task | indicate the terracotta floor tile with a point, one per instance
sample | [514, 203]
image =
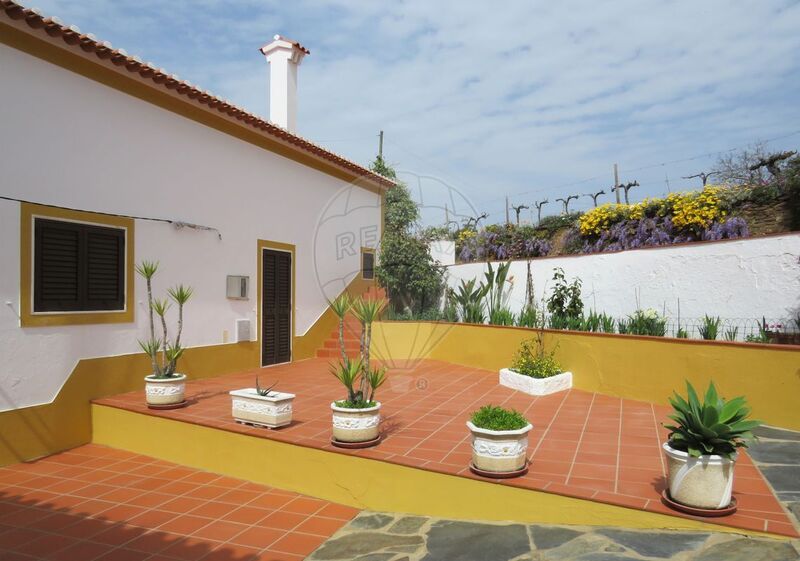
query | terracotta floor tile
[153, 542]
[122, 554]
[303, 505]
[259, 537]
[233, 552]
[190, 549]
[299, 544]
[215, 510]
[238, 496]
[320, 526]
[81, 551]
[282, 520]
[44, 545]
[185, 524]
[270, 501]
[340, 512]
[247, 514]
[182, 505]
[220, 530]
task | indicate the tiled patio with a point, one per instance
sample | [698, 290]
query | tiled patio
[584, 445]
[97, 503]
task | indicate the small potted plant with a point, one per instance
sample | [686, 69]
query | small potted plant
[164, 387]
[356, 419]
[262, 407]
[535, 371]
[702, 448]
[499, 442]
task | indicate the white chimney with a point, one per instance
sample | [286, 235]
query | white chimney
[284, 56]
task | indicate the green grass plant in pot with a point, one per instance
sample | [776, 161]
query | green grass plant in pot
[499, 440]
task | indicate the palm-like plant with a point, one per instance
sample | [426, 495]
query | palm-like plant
[714, 426]
[366, 311]
[170, 351]
[469, 301]
[710, 327]
[348, 372]
[340, 307]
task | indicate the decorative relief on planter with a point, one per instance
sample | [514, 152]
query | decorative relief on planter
[499, 449]
[262, 408]
[163, 389]
[353, 422]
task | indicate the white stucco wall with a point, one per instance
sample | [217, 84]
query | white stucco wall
[70, 141]
[443, 252]
[744, 279]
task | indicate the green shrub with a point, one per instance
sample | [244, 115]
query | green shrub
[550, 224]
[710, 327]
[531, 360]
[501, 316]
[528, 317]
[644, 322]
[492, 417]
[711, 427]
[565, 298]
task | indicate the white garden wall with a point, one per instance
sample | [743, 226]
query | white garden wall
[70, 141]
[743, 279]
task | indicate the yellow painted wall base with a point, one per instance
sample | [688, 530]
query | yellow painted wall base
[359, 482]
[642, 368]
[32, 432]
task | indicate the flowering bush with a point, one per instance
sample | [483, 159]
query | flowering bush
[501, 242]
[600, 218]
[695, 210]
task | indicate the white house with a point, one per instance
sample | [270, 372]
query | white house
[107, 161]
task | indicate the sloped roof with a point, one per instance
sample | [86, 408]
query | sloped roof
[70, 38]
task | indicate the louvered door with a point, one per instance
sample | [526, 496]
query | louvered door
[78, 267]
[276, 302]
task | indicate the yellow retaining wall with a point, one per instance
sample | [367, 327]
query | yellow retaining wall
[644, 368]
[359, 482]
[32, 432]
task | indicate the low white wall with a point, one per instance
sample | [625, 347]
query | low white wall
[72, 142]
[443, 252]
[744, 279]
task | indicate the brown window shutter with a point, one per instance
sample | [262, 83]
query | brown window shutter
[78, 267]
[367, 265]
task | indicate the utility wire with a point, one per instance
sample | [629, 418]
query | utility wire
[177, 223]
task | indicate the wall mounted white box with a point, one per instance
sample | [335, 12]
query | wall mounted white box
[238, 287]
[535, 386]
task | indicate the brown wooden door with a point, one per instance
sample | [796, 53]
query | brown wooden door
[276, 303]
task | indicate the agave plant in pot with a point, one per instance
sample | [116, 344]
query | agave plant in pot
[356, 419]
[499, 442]
[164, 387]
[702, 449]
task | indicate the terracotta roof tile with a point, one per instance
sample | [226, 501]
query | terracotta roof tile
[159, 78]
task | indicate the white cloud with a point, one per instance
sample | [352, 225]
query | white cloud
[495, 99]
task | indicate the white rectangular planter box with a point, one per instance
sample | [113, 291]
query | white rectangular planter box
[273, 410]
[535, 386]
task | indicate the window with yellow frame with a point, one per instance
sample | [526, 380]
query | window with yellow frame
[76, 267]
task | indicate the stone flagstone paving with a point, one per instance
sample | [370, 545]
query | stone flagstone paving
[388, 537]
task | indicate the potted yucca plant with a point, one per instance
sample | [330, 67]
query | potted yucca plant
[164, 386]
[262, 407]
[356, 419]
[702, 448]
[499, 442]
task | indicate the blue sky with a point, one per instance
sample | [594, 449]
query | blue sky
[527, 99]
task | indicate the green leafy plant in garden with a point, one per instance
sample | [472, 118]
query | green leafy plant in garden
[163, 352]
[532, 360]
[732, 333]
[763, 334]
[713, 426]
[405, 268]
[710, 327]
[607, 323]
[643, 322]
[528, 317]
[493, 417]
[469, 301]
[496, 294]
[565, 298]
[681, 333]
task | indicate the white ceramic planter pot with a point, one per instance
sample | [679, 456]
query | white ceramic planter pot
[165, 391]
[499, 450]
[272, 410]
[704, 482]
[356, 425]
[535, 386]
